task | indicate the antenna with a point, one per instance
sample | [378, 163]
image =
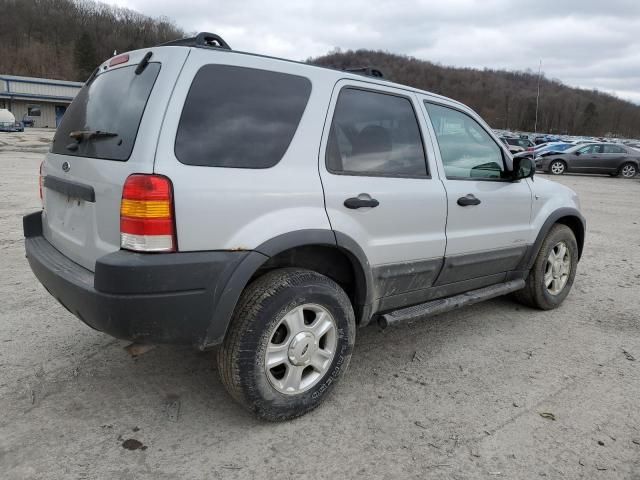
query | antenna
[535, 126]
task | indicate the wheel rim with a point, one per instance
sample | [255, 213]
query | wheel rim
[301, 349]
[628, 171]
[557, 167]
[557, 269]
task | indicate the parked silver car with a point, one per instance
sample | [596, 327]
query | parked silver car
[266, 207]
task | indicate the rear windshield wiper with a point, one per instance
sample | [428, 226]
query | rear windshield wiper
[80, 135]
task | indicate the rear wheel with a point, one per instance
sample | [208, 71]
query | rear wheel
[553, 272]
[557, 167]
[628, 170]
[290, 340]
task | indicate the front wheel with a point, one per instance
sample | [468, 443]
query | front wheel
[628, 170]
[290, 340]
[553, 271]
[557, 167]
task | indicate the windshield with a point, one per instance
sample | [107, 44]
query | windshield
[519, 142]
[103, 120]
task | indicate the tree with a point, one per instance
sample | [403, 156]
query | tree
[504, 98]
[85, 56]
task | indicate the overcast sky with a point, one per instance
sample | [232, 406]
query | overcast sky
[586, 43]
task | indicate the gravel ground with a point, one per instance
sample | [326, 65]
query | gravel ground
[463, 395]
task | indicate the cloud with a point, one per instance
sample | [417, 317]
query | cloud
[586, 43]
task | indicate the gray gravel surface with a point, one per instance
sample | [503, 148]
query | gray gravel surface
[459, 396]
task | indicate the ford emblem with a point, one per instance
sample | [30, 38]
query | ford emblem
[66, 167]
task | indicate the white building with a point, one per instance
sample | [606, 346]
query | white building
[38, 99]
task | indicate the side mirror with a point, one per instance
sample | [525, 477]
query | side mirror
[523, 168]
[578, 154]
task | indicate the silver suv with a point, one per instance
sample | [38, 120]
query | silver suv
[202, 196]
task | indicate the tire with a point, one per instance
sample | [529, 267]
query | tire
[557, 167]
[628, 170]
[275, 318]
[536, 293]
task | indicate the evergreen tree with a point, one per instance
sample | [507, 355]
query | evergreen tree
[85, 56]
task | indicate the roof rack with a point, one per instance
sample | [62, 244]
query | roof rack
[368, 71]
[203, 39]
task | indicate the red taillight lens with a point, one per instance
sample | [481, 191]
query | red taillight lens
[40, 181]
[147, 222]
[118, 60]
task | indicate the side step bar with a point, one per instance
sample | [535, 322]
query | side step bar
[442, 305]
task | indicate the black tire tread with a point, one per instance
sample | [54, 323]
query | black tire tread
[531, 295]
[248, 307]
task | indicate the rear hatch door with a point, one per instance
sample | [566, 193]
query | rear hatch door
[109, 132]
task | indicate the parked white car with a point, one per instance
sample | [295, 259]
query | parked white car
[203, 196]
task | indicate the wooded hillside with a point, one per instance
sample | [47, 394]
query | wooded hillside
[65, 39]
[505, 99]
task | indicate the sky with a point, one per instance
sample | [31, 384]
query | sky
[583, 43]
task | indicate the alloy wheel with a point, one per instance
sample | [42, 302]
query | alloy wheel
[301, 349]
[557, 269]
[628, 171]
[557, 168]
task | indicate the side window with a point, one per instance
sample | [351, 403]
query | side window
[467, 150]
[613, 149]
[375, 134]
[587, 149]
[240, 117]
[33, 110]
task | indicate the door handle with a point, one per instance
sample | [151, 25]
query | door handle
[469, 199]
[355, 202]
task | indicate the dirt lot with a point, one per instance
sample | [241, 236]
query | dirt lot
[459, 396]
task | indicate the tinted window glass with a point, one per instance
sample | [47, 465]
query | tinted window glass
[240, 117]
[518, 142]
[375, 134]
[592, 149]
[613, 149]
[466, 149]
[111, 102]
[33, 110]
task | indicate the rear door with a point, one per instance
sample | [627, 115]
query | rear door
[381, 187]
[84, 172]
[488, 224]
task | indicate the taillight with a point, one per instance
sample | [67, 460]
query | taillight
[147, 222]
[40, 181]
[118, 60]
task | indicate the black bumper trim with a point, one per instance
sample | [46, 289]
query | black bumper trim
[152, 298]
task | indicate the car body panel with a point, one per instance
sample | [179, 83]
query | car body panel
[82, 230]
[409, 223]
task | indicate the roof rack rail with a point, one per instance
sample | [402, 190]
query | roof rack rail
[368, 71]
[203, 39]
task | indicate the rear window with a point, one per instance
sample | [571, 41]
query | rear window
[240, 117]
[111, 103]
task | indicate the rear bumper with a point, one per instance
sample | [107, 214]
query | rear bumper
[178, 298]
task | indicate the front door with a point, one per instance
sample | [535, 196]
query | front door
[488, 225]
[379, 190]
[587, 159]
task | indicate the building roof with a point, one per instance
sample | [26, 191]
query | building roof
[32, 89]
[43, 81]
